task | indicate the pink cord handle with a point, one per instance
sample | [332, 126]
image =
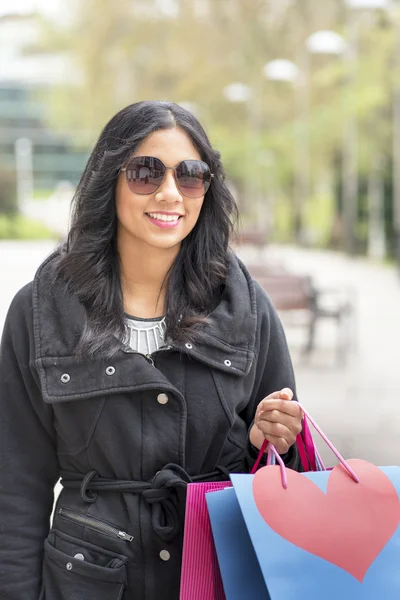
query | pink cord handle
[309, 446]
[331, 446]
[259, 457]
[272, 451]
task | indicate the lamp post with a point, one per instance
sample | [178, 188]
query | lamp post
[350, 138]
[24, 170]
[284, 70]
[241, 93]
[320, 42]
[323, 42]
[396, 145]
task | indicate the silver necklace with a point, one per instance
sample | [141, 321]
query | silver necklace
[144, 339]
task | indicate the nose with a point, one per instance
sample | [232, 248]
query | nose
[169, 191]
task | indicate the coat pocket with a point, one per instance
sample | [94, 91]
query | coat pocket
[74, 568]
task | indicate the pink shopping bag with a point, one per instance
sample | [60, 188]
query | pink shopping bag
[200, 577]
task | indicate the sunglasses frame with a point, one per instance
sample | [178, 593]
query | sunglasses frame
[124, 170]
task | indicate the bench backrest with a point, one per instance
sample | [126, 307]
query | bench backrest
[288, 291]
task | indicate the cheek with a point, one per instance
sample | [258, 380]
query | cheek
[121, 200]
[194, 212]
[126, 205]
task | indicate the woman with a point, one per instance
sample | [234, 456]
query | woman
[142, 355]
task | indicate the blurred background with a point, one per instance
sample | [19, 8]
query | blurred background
[302, 98]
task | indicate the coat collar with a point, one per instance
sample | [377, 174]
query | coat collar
[227, 341]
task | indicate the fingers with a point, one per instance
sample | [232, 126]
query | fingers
[284, 394]
[281, 445]
[279, 419]
[282, 406]
[278, 434]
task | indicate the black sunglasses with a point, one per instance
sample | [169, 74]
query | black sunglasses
[145, 174]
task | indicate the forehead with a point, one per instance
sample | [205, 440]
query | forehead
[169, 145]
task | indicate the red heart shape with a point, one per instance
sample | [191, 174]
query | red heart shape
[348, 526]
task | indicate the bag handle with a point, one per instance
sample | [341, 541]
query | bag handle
[330, 445]
[272, 452]
[305, 440]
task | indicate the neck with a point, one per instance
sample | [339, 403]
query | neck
[144, 278]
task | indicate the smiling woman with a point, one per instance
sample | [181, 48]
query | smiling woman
[141, 356]
[155, 214]
[147, 189]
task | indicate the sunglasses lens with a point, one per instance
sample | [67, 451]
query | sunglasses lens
[144, 174]
[193, 178]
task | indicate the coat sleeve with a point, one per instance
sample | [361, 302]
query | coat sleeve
[28, 461]
[273, 368]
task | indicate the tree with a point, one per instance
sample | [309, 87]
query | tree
[189, 50]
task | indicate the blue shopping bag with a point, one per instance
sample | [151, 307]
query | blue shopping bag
[236, 556]
[326, 535]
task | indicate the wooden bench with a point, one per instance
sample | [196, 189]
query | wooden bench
[292, 292]
[253, 238]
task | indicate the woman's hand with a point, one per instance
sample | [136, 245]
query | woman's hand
[277, 420]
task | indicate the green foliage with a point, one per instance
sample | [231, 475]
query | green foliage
[124, 52]
[8, 192]
[18, 227]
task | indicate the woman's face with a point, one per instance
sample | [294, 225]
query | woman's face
[141, 218]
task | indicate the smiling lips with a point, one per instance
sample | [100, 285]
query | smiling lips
[164, 220]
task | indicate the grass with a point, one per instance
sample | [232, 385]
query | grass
[18, 227]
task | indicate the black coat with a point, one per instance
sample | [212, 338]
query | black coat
[132, 430]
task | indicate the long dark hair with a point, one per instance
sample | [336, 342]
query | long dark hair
[89, 261]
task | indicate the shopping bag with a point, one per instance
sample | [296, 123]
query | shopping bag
[241, 573]
[328, 534]
[200, 575]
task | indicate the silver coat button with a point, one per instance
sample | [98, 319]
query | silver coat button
[227, 363]
[110, 370]
[189, 346]
[79, 556]
[162, 398]
[165, 555]
[68, 566]
[65, 378]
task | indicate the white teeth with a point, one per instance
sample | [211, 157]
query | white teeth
[166, 218]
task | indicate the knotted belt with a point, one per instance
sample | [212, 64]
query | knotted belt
[161, 492]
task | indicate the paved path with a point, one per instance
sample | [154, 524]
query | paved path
[358, 406]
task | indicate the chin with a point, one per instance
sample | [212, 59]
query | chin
[165, 244]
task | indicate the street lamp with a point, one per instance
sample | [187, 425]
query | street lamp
[367, 4]
[237, 92]
[350, 147]
[326, 42]
[320, 42]
[241, 93]
[396, 146]
[323, 42]
[24, 170]
[284, 70]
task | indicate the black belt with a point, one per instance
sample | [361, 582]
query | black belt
[160, 492]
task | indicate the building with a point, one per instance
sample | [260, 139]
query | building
[25, 75]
